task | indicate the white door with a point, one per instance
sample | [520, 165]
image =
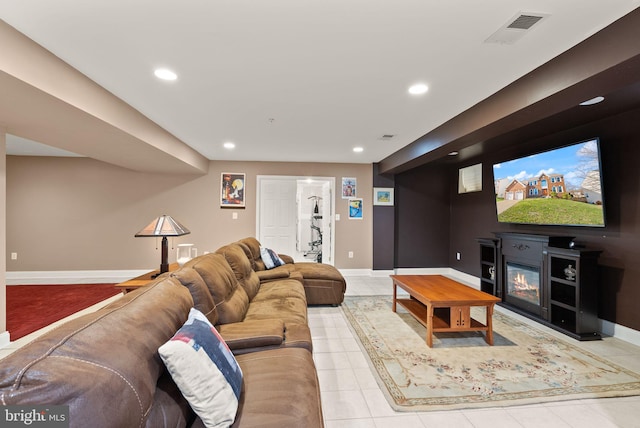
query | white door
[277, 215]
[327, 223]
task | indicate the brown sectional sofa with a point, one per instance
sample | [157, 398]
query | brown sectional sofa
[105, 365]
[323, 284]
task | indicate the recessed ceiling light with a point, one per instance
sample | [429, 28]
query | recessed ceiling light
[454, 153]
[358, 149]
[418, 89]
[229, 145]
[592, 101]
[165, 74]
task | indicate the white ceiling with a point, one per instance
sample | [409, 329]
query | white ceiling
[301, 80]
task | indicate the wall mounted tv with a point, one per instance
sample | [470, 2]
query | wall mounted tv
[562, 186]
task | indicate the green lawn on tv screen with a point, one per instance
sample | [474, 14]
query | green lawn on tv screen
[553, 211]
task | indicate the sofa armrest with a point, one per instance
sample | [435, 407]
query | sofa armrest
[272, 274]
[252, 333]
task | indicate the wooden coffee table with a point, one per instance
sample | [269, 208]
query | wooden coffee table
[442, 304]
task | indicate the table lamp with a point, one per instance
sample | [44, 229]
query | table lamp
[163, 226]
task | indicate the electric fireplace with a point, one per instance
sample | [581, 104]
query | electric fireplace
[523, 283]
[546, 278]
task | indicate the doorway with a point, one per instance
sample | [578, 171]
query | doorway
[295, 216]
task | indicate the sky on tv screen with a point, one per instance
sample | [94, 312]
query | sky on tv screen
[571, 161]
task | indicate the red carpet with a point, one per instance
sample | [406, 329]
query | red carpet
[31, 307]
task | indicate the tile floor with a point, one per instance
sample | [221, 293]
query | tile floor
[351, 398]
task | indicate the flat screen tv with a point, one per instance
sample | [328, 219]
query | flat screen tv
[562, 186]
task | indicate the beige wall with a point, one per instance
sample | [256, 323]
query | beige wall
[81, 214]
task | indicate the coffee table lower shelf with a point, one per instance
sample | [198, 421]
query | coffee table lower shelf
[441, 317]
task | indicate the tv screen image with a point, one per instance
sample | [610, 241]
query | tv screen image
[562, 186]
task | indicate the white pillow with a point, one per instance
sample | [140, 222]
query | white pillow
[270, 258]
[205, 370]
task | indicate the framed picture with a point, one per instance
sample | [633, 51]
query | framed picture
[232, 189]
[355, 209]
[470, 179]
[383, 196]
[348, 187]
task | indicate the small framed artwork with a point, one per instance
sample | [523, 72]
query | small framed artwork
[348, 187]
[232, 189]
[355, 209]
[383, 196]
[470, 179]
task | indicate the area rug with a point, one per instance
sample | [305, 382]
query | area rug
[525, 365]
[32, 307]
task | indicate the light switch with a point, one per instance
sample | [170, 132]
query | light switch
[234, 216]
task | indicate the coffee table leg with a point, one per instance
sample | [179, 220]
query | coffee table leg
[395, 296]
[429, 326]
[489, 337]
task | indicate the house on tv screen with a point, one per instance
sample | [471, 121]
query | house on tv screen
[541, 187]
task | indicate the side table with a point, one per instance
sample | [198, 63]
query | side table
[142, 280]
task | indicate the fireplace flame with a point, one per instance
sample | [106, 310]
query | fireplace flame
[520, 284]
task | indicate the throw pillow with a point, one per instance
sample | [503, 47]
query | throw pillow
[270, 258]
[205, 370]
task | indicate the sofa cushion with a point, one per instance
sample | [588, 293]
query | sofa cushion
[281, 390]
[291, 310]
[241, 266]
[281, 289]
[205, 370]
[232, 301]
[251, 247]
[202, 299]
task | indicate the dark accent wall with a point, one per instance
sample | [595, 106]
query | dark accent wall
[383, 226]
[422, 217]
[473, 214]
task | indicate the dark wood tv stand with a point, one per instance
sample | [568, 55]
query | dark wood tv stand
[568, 280]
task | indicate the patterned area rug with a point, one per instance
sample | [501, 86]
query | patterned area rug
[525, 365]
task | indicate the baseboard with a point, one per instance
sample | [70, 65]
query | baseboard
[621, 332]
[72, 277]
[422, 271]
[470, 280]
[5, 339]
[382, 273]
[355, 272]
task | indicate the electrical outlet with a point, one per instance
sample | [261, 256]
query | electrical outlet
[458, 256]
[350, 254]
[14, 256]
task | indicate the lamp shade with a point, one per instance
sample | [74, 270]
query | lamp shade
[164, 225]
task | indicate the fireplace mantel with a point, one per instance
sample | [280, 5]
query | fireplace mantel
[565, 279]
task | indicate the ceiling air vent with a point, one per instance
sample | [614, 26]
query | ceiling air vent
[524, 22]
[516, 28]
[386, 137]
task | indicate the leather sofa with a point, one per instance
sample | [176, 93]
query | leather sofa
[323, 284]
[105, 365]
